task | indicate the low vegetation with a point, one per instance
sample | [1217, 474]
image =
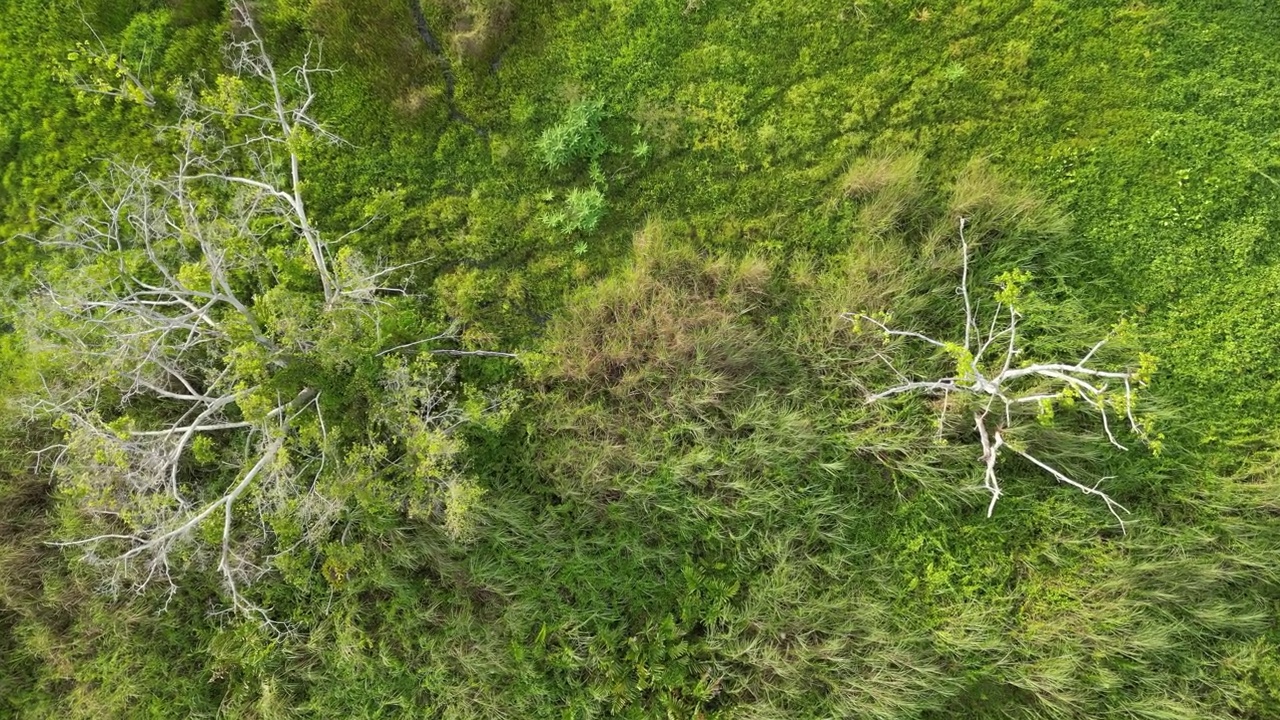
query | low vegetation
[494, 359]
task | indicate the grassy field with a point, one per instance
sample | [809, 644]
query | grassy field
[663, 206]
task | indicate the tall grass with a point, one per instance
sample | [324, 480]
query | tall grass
[697, 515]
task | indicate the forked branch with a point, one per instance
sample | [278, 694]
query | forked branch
[166, 341]
[999, 390]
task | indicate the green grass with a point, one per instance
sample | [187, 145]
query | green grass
[693, 514]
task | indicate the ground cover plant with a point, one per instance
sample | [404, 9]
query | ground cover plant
[520, 366]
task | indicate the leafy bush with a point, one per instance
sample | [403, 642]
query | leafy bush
[582, 211]
[576, 138]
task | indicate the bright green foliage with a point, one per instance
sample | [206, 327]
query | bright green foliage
[582, 211]
[1011, 285]
[576, 137]
[98, 73]
[677, 504]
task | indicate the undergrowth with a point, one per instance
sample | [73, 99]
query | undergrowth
[665, 207]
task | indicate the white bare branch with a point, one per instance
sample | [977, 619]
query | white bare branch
[990, 453]
[895, 333]
[1009, 388]
[165, 373]
[452, 334]
[964, 287]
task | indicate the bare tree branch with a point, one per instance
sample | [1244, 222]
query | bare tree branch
[1041, 384]
[166, 363]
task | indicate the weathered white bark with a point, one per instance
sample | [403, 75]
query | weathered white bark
[999, 389]
[158, 297]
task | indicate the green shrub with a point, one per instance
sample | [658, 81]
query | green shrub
[582, 211]
[576, 138]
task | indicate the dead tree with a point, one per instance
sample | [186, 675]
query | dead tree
[157, 347]
[991, 383]
[149, 313]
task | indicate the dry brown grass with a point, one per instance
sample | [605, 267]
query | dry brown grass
[378, 39]
[674, 310]
[479, 27]
[876, 173]
[889, 187]
[992, 202]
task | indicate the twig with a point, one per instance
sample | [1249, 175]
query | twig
[1002, 385]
